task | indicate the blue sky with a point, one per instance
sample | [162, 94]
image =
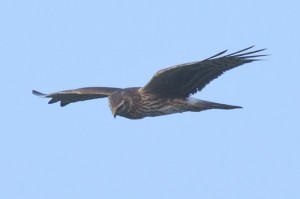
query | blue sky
[81, 151]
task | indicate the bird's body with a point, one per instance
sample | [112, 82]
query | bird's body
[166, 93]
[146, 104]
[142, 104]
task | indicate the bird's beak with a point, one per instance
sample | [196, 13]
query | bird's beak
[114, 112]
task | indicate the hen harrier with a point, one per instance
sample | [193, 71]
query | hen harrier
[167, 92]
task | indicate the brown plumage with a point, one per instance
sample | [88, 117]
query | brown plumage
[167, 92]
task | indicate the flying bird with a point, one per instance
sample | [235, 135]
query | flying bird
[169, 90]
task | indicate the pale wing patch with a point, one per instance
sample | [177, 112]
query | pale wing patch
[193, 101]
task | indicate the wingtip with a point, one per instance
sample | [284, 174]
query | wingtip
[34, 92]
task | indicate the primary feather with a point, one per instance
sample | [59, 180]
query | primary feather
[186, 79]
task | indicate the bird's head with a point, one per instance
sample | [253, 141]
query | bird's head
[118, 103]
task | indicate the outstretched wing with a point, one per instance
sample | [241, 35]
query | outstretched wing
[81, 94]
[186, 79]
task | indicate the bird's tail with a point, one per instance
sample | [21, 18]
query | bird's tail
[214, 105]
[200, 105]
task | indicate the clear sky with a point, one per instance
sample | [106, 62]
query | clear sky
[81, 151]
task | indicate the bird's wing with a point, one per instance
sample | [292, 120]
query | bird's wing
[186, 79]
[81, 94]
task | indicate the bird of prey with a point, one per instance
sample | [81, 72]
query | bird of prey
[167, 92]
